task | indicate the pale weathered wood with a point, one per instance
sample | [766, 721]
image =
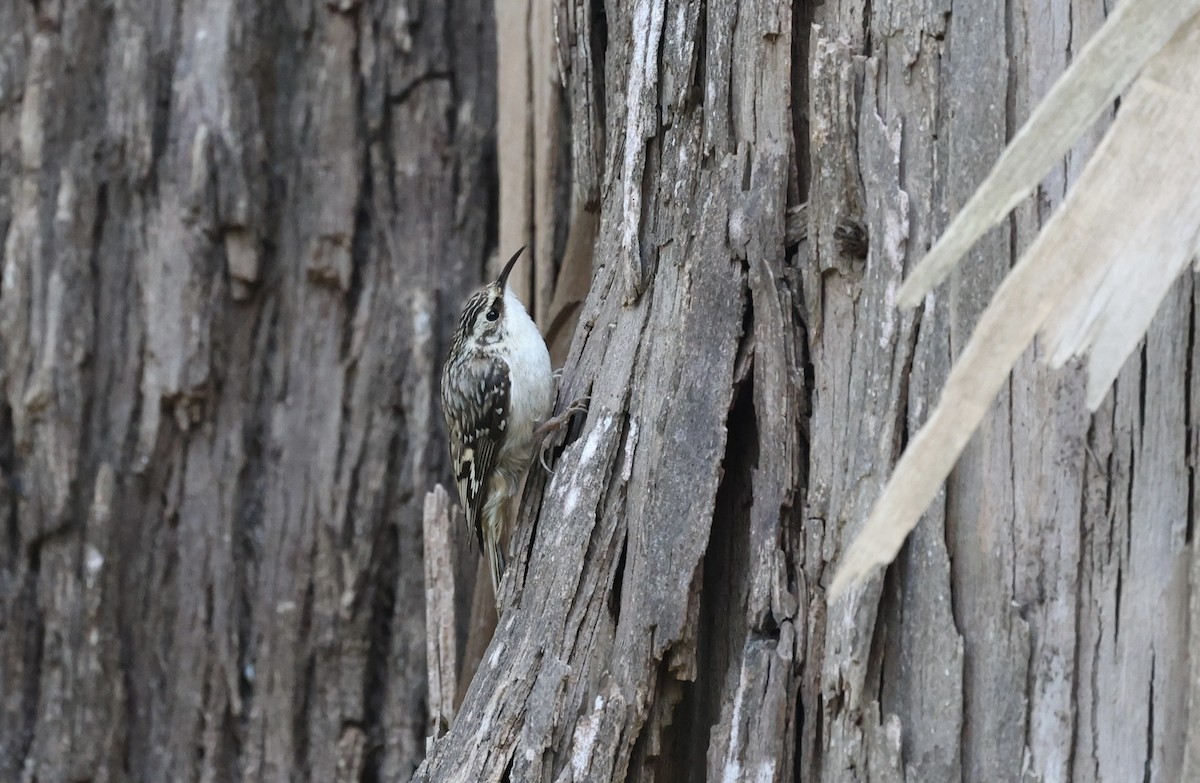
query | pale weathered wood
[531, 149]
[1091, 281]
[441, 621]
[1017, 696]
[1147, 249]
[514, 142]
[1191, 759]
[1135, 33]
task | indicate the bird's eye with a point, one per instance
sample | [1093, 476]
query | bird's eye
[493, 314]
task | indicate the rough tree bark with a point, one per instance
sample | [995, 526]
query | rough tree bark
[236, 237]
[665, 614]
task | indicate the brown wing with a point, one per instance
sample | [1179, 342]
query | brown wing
[477, 432]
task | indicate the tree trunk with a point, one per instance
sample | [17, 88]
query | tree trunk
[237, 235]
[665, 613]
[236, 239]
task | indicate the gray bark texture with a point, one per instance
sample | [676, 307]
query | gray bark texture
[236, 236]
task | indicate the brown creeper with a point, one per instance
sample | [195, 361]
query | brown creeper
[497, 392]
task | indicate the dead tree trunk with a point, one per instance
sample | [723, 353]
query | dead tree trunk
[236, 236]
[666, 616]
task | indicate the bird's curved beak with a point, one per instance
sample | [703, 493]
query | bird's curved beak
[502, 280]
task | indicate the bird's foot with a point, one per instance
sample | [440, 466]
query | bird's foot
[555, 423]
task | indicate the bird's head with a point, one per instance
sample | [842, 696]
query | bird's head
[483, 316]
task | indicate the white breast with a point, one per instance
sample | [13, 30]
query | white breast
[532, 391]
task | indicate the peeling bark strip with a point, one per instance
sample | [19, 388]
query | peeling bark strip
[1089, 285]
[641, 110]
[235, 238]
[441, 642]
[990, 650]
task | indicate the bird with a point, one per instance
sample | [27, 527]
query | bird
[497, 395]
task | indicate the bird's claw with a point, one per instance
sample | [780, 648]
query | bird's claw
[557, 422]
[578, 406]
